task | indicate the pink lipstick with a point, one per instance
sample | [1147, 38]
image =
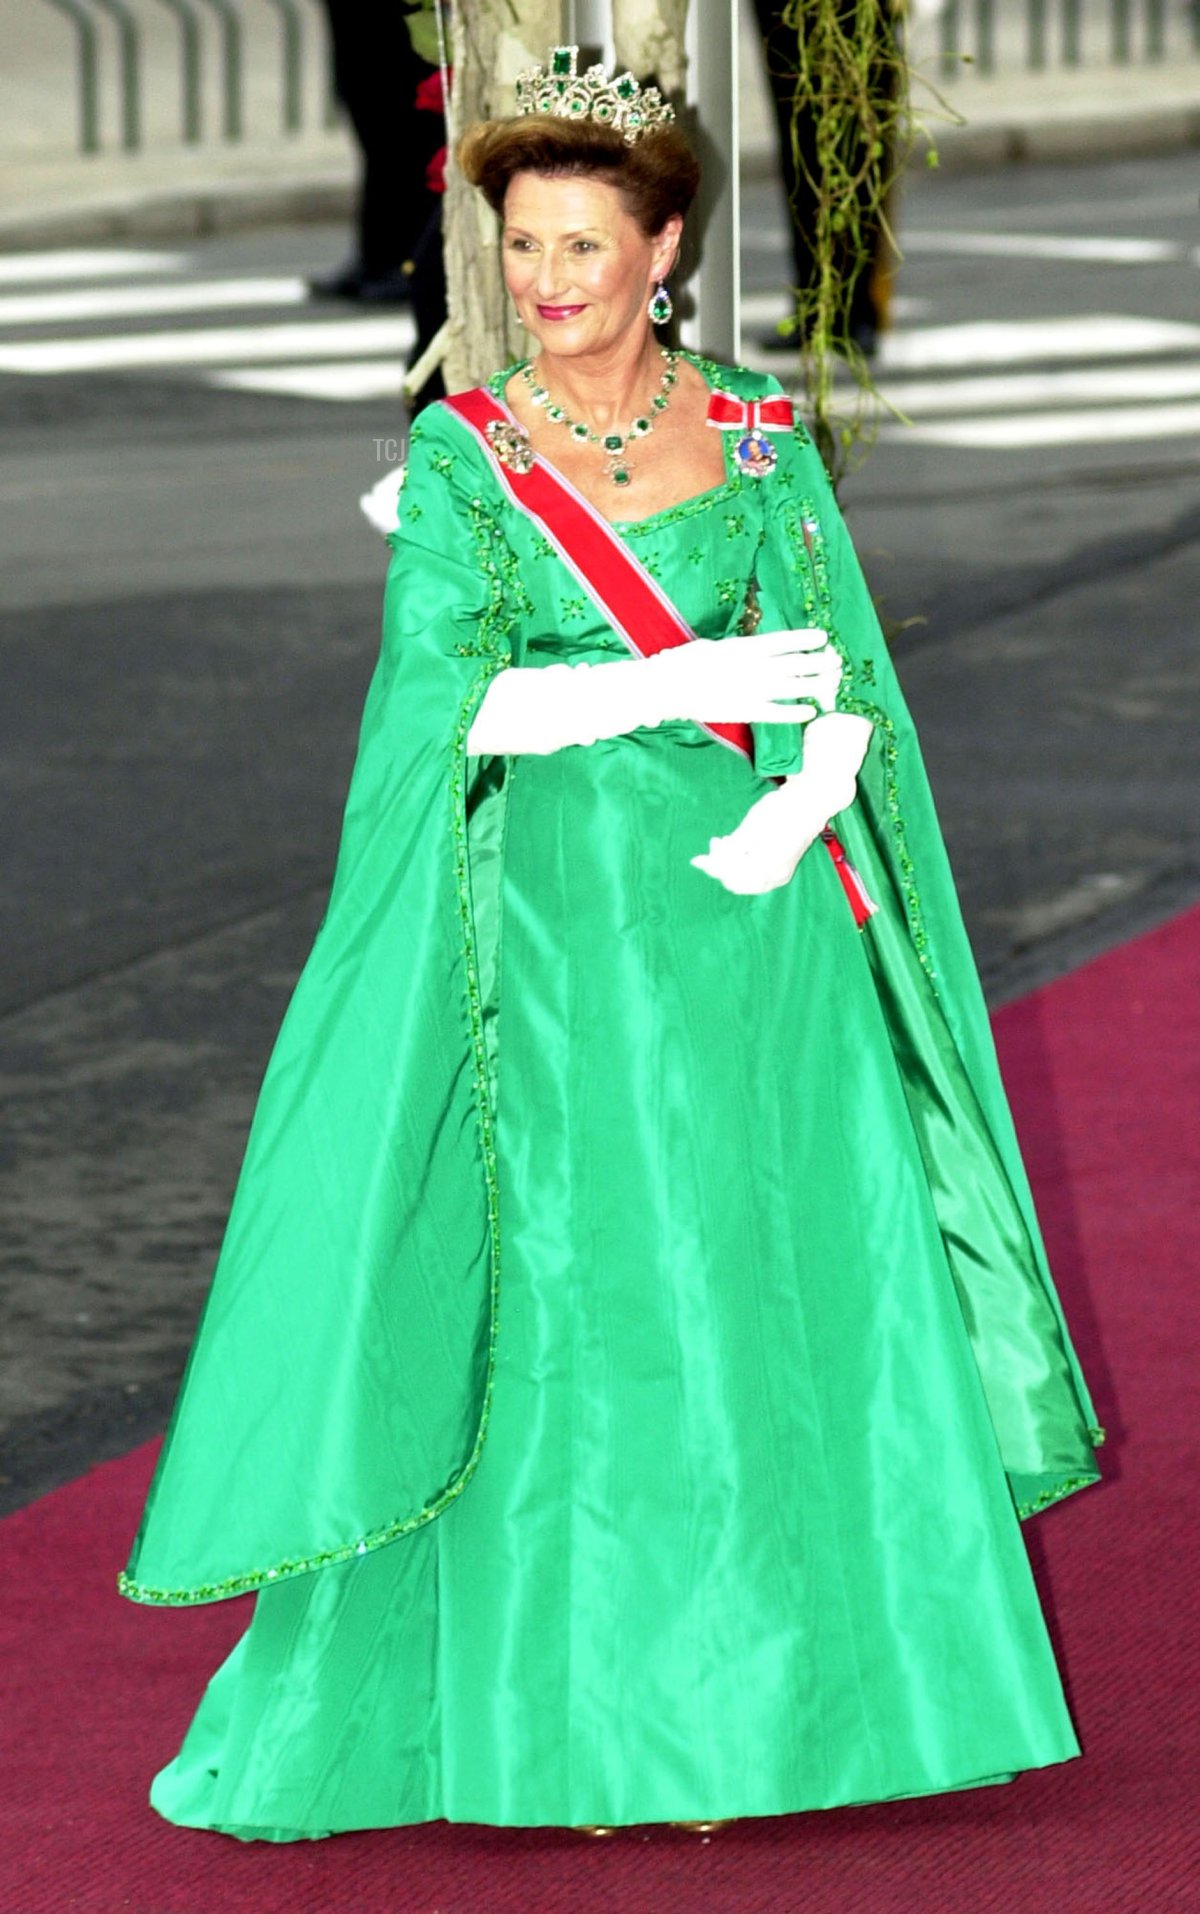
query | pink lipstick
[558, 312]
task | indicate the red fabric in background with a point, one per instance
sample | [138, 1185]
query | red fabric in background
[1103, 1070]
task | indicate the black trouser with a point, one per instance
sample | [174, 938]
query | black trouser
[376, 75]
[858, 313]
[428, 301]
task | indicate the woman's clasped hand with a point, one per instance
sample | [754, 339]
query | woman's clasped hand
[764, 850]
[768, 677]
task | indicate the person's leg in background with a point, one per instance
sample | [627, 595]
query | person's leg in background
[864, 311]
[376, 76]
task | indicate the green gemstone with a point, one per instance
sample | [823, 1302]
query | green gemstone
[560, 60]
[556, 413]
[620, 476]
[579, 432]
[613, 442]
[658, 402]
[627, 87]
[639, 428]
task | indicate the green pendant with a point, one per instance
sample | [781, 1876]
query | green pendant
[620, 475]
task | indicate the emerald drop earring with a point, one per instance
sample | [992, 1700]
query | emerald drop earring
[660, 307]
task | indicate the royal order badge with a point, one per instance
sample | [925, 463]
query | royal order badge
[755, 455]
[752, 421]
[511, 445]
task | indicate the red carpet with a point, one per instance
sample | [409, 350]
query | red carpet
[1103, 1070]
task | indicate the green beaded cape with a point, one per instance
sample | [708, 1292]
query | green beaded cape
[336, 1396]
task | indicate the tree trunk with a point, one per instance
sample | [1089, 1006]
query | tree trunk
[648, 35]
[493, 41]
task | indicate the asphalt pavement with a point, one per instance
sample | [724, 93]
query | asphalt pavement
[189, 611]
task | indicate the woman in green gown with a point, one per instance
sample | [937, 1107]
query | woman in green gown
[632, 1350]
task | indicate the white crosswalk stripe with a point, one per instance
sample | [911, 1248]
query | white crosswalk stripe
[147, 302]
[1029, 430]
[344, 379]
[112, 262]
[1072, 248]
[924, 398]
[71, 313]
[981, 342]
[1079, 249]
[217, 345]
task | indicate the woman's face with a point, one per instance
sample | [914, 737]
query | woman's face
[578, 267]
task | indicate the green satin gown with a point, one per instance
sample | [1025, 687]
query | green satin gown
[757, 1363]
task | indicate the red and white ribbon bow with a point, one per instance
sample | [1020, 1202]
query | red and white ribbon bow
[729, 413]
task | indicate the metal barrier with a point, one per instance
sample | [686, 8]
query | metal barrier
[989, 34]
[231, 65]
[1039, 33]
[189, 52]
[292, 44]
[88, 68]
[129, 53]
[230, 32]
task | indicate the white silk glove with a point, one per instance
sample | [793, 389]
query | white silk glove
[542, 708]
[764, 850]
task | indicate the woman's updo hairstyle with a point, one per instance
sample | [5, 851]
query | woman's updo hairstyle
[657, 175]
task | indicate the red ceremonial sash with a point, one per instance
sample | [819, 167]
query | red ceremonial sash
[618, 584]
[622, 588]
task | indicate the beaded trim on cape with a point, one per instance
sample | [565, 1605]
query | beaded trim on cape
[495, 655]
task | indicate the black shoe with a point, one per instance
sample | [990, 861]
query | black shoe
[783, 337]
[393, 288]
[345, 283]
[865, 334]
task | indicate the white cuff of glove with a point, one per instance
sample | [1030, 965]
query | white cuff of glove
[542, 708]
[834, 748]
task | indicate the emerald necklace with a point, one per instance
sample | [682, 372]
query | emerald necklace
[613, 444]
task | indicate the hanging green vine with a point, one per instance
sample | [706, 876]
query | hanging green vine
[853, 130]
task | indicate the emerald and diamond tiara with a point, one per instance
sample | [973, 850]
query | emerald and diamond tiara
[621, 103]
